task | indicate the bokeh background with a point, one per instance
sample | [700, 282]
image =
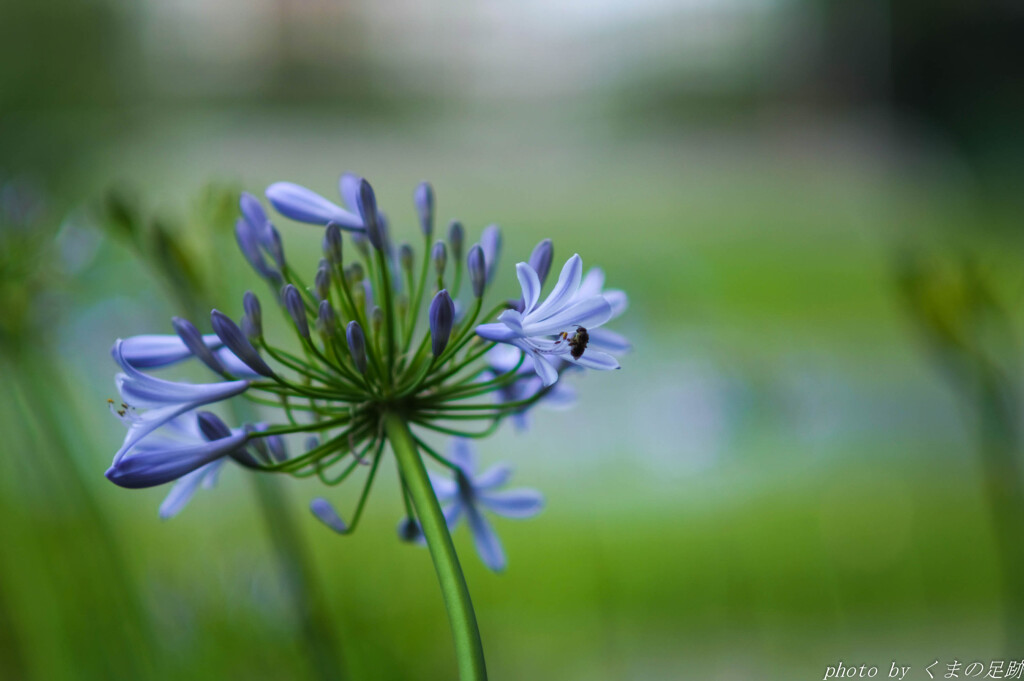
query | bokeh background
[811, 454]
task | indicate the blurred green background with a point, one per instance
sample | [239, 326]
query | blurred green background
[810, 456]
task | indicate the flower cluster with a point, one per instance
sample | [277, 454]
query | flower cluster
[363, 352]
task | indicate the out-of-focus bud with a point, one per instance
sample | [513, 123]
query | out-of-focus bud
[424, 198]
[332, 244]
[456, 239]
[254, 313]
[439, 256]
[368, 212]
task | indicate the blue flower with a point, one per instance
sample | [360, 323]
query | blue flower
[544, 329]
[163, 400]
[174, 453]
[468, 494]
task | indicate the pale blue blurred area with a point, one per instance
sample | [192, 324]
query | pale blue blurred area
[777, 478]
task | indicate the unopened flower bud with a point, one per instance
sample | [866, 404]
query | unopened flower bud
[456, 238]
[424, 198]
[439, 256]
[296, 309]
[332, 244]
[356, 345]
[490, 241]
[211, 426]
[442, 317]
[540, 259]
[376, 320]
[272, 243]
[326, 319]
[254, 313]
[367, 205]
[326, 514]
[237, 343]
[322, 281]
[193, 340]
[405, 258]
[477, 270]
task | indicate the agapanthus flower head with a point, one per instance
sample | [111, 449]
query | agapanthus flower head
[369, 338]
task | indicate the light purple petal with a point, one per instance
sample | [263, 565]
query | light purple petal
[618, 300]
[496, 332]
[142, 390]
[586, 312]
[461, 453]
[548, 374]
[596, 360]
[609, 341]
[592, 283]
[183, 490]
[304, 205]
[486, 541]
[530, 284]
[151, 351]
[515, 503]
[452, 514]
[326, 514]
[348, 187]
[565, 289]
[444, 488]
[495, 476]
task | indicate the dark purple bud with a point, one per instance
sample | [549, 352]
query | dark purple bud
[322, 281]
[540, 259]
[456, 239]
[332, 244]
[193, 340]
[211, 426]
[424, 198]
[277, 448]
[439, 256]
[367, 205]
[442, 316]
[356, 345]
[477, 270]
[296, 308]
[405, 258]
[312, 442]
[409, 530]
[236, 342]
[253, 313]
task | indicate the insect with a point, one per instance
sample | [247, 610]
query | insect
[577, 343]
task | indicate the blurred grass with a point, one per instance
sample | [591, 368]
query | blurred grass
[777, 554]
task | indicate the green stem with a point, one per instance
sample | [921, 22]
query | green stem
[468, 648]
